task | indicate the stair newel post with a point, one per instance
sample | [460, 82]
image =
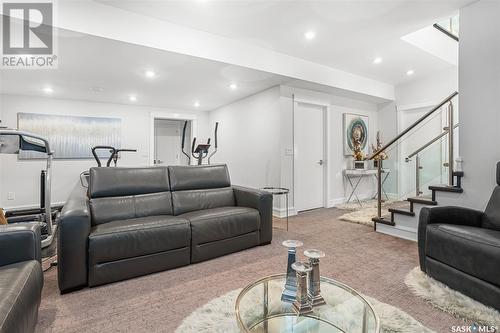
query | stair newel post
[450, 144]
[417, 175]
[379, 188]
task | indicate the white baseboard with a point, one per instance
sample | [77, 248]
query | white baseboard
[338, 201]
[281, 212]
[398, 231]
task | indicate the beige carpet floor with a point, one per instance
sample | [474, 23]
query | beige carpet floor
[372, 263]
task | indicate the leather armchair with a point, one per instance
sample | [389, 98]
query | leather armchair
[21, 277]
[461, 248]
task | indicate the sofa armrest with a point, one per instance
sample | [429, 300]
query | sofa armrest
[446, 215]
[263, 202]
[72, 242]
[19, 242]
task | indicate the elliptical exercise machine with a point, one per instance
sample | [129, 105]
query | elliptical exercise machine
[200, 151]
[13, 141]
[114, 154]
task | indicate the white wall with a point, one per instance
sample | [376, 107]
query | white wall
[414, 99]
[337, 106]
[249, 139]
[479, 83]
[22, 177]
[427, 91]
[256, 137]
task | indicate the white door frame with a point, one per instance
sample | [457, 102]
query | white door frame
[169, 116]
[326, 150]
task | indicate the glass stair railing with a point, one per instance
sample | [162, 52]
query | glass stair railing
[418, 159]
[450, 27]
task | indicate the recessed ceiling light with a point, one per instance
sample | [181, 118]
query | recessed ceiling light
[97, 89]
[132, 98]
[196, 104]
[149, 74]
[233, 86]
[410, 72]
[48, 90]
[377, 60]
[310, 35]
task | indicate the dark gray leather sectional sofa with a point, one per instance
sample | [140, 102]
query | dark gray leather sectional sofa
[21, 277]
[461, 248]
[135, 221]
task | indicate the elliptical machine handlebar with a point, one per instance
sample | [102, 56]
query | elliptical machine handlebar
[215, 140]
[184, 140]
[112, 150]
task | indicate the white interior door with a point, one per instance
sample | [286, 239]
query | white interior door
[309, 156]
[168, 142]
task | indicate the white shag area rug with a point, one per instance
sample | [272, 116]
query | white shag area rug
[446, 299]
[362, 214]
[218, 316]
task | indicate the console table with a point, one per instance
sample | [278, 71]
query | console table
[354, 177]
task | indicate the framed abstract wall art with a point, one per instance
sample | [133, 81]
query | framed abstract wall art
[355, 129]
[70, 137]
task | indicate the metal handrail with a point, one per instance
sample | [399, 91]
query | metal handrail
[446, 32]
[430, 142]
[412, 126]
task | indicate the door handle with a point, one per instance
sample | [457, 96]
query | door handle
[320, 162]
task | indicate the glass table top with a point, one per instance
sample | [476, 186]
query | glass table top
[259, 309]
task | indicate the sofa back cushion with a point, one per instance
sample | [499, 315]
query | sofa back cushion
[491, 219]
[114, 182]
[200, 187]
[125, 193]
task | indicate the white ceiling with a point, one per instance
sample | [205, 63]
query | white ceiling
[89, 64]
[349, 34]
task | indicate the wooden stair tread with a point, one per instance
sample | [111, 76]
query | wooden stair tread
[401, 211]
[446, 188]
[383, 220]
[422, 201]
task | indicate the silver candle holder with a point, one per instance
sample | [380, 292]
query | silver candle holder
[301, 305]
[290, 290]
[314, 291]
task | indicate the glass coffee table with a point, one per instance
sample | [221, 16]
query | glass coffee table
[259, 309]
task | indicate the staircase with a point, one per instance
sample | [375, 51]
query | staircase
[433, 163]
[403, 223]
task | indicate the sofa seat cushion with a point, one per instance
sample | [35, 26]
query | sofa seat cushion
[215, 224]
[20, 289]
[137, 237]
[472, 250]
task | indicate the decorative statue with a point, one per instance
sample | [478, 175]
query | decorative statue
[356, 144]
[382, 155]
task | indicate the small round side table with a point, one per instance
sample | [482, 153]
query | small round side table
[279, 191]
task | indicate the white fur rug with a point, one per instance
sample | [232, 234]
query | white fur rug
[218, 316]
[444, 298]
[362, 216]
